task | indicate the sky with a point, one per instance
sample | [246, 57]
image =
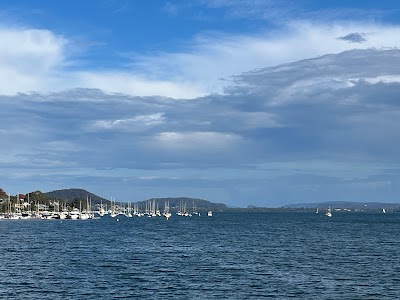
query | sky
[246, 102]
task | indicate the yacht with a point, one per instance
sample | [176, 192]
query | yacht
[209, 213]
[328, 212]
[84, 215]
[74, 214]
[166, 213]
[64, 214]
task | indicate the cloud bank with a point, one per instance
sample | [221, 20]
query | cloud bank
[318, 129]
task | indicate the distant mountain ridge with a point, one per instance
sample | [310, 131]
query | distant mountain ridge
[345, 204]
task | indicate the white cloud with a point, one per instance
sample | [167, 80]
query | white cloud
[197, 140]
[220, 56]
[29, 57]
[136, 84]
[134, 123]
[384, 78]
[31, 50]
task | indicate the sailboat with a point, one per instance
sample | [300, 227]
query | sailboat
[101, 212]
[166, 213]
[317, 210]
[384, 210]
[194, 212]
[128, 213]
[85, 214]
[328, 212]
[113, 212]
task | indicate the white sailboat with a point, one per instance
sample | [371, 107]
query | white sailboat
[85, 214]
[113, 212]
[128, 212]
[166, 213]
[384, 210]
[317, 210]
[209, 213]
[328, 212]
[194, 212]
[101, 211]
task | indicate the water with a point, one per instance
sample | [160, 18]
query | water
[229, 256]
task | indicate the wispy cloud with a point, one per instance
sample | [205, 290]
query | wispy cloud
[284, 11]
[244, 9]
[134, 123]
[193, 141]
[116, 6]
[170, 8]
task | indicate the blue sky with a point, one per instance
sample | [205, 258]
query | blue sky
[243, 102]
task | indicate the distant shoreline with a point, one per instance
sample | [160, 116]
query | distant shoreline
[282, 209]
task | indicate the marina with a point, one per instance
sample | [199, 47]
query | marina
[25, 210]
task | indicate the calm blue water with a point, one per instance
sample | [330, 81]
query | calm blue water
[229, 256]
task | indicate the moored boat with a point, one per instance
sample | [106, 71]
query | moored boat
[74, 214]
[328, 212]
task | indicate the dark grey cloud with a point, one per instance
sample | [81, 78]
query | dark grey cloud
[354, 37]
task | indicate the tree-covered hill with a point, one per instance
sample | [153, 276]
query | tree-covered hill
[73, 195]
[190, 203]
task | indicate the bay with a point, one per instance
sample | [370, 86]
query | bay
[280, 255]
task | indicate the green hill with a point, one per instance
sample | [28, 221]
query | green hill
[73, 195]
